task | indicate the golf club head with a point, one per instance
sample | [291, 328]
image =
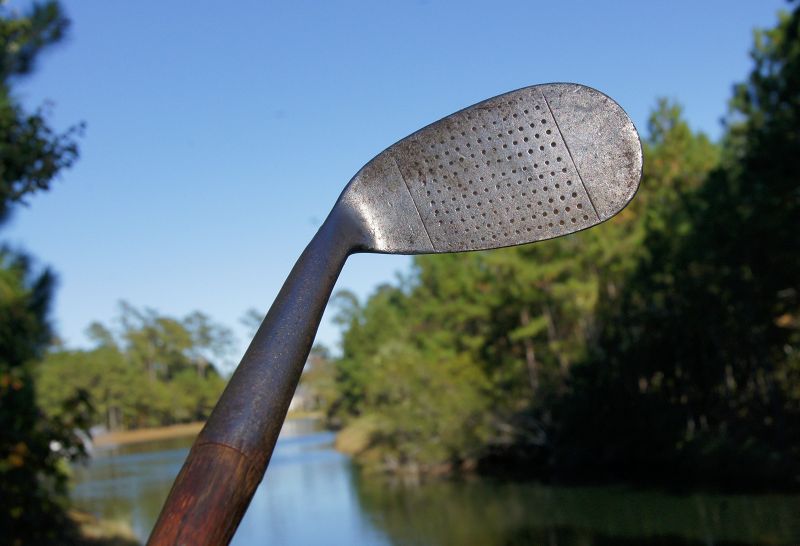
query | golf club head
[525, 166]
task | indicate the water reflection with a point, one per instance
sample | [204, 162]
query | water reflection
[313, 495]
[130, 483]
[488, 513]
[307, 497]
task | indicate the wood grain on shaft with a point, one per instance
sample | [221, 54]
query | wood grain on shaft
[208, 498]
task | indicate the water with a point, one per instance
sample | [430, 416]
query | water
[314, 495]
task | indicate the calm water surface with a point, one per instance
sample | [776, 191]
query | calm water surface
[314, 495]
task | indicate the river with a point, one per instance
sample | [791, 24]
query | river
[314, 495]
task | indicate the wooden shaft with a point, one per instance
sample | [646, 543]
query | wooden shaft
[209, 497]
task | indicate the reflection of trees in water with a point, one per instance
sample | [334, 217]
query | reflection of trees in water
[130, 483]
[487, 513]
[137, 504]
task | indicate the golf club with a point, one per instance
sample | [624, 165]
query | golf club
[525, 166]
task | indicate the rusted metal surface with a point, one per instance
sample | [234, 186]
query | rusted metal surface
[529, 165]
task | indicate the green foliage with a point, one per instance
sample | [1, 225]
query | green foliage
[153, 371]
[32, 446]
[56, 380]
[426, 403]
[318, 382]
[32, 481]
[415, 399]
[702, 344]
[663, 343]
[31, 152]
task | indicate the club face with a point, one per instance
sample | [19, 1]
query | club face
[529, 165]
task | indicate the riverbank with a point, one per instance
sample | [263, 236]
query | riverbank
[125, 437]
[354, 507]
[101, 532]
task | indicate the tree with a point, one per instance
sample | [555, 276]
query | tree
[32, 483]
[108, 381]
[252, 320]
[695, 370]
[319, 379]
[31, 152]
[209, 342]
[152, 370]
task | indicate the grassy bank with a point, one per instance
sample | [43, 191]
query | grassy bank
[98, 532]
[124, 437]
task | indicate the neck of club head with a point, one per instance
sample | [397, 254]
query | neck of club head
[249, 415]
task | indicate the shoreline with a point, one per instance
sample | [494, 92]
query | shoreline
[140, 435]
[125, 437]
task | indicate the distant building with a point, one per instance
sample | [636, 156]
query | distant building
[302, 400]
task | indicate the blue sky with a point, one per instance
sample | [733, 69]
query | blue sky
[219, 135]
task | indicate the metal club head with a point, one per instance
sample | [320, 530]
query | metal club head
[525, 166]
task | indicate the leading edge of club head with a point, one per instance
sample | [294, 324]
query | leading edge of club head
[529, 165]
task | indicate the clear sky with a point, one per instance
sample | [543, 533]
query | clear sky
[219, 134]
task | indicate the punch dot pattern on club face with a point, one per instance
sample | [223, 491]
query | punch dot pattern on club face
[496, 174]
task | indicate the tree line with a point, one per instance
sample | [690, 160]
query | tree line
[148, 370]
[662, 345]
